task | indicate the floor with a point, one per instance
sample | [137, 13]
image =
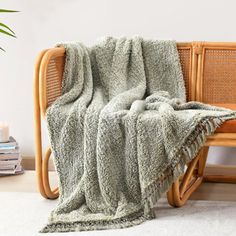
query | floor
[207, 191]
[23, 212]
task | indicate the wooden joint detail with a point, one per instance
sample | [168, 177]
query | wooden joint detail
[198, 47]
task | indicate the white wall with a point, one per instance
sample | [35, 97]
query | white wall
[43, 23]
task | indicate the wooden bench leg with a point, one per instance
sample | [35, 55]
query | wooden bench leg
[41, 164]
[182, 189]
[52, 194]
[170, 196]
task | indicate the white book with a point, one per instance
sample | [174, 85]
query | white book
[7, 172]
[17, 171]
[9, 162]
[10, 167]
[8, 156]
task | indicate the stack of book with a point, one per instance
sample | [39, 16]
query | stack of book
[10, 158]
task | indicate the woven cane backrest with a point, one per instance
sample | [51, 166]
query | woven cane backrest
[54, 79]
[185, 56]
[218, 73]
[50, 77]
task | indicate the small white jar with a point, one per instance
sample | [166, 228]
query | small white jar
[4, 132]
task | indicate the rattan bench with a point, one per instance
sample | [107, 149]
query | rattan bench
[209, 71]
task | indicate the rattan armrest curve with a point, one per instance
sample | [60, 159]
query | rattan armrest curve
[50, 77]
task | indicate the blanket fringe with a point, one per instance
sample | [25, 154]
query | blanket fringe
[187, 152]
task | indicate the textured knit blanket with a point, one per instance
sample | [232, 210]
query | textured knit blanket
[121, 133]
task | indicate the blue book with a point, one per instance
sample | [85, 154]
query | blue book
[11, 144]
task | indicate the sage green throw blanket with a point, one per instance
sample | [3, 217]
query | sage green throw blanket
[121, 133]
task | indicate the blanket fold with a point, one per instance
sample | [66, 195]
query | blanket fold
[122, 132]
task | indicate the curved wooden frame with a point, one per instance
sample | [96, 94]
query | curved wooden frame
[181, 190]
[40, 106]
